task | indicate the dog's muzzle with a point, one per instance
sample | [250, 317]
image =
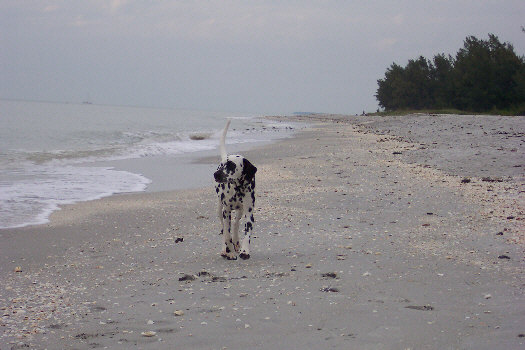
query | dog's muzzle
[220, 176]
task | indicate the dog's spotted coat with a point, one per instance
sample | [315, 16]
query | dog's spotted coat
[235, 188]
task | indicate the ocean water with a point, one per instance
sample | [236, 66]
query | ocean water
[49, 151]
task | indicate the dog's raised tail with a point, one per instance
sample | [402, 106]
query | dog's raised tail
[222, 145]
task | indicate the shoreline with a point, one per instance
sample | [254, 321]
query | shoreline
[354, 246]
[152, 172]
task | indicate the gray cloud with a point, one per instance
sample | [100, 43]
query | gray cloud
[266, 57]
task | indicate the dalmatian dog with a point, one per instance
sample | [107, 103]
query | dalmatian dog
[235, 187]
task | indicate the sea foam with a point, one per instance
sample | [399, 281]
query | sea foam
[31, 199]
[50, 153]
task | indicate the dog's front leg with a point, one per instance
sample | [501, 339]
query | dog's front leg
[220, 215]
[248, 228]
[228, 251]
[236, 242]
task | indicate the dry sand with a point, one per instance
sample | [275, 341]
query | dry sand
[371, 233]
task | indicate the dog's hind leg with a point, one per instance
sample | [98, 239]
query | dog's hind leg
[236, 242]
[228, 250]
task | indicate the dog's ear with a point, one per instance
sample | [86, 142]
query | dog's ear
[248, 169]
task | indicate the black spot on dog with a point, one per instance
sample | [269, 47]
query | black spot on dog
[230, 167]
[249, 169]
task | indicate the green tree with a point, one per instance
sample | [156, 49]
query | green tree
[442, 80]
[389, 87]
[519, 80]
[418, 86]
[472, 76]
[506, 65]
[485, 75]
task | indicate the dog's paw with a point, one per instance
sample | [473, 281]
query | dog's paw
[244, 256]
[237, 246]
[229, 256]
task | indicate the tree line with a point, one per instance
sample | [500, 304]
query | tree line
[484, 76]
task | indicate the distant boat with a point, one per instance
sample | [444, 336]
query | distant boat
[88, 100]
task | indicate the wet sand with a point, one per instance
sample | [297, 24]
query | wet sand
[371, 233]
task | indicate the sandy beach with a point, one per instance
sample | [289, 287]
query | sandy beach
[371, 233]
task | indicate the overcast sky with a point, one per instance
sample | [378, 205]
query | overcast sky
[244, 56]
